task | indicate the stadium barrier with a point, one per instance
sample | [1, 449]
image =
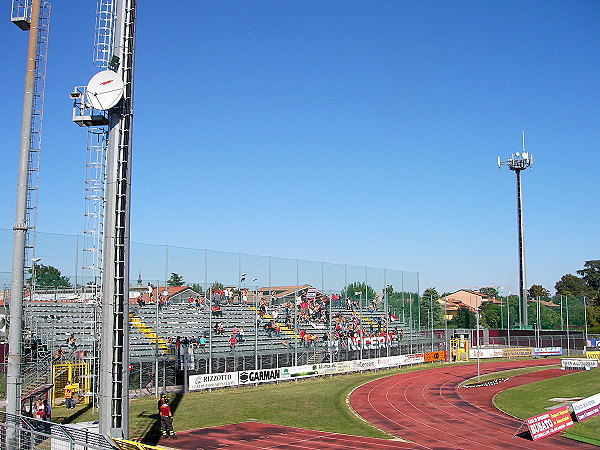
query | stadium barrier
[592, 355]
[245, 377]
[586, 408]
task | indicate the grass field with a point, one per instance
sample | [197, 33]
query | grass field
[317, 404]
[531, 399]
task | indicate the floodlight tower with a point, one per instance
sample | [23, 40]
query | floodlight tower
[32, 16]
[517, 163]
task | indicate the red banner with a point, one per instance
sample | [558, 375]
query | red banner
[544, 425]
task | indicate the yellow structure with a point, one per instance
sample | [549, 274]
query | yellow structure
[131, 445]
[76, 373]
[459, 349]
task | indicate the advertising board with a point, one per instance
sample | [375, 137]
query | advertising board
[547, 351]
[485, 353]
[213, 380]
[544, 425]
[416, 358]
[517, 352]
[434, 356]
[592, 355]
[259, 376]
[578, 364]
[363, 364]
[309, 370]
[586, 408]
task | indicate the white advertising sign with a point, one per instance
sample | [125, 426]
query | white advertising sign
[288, 373]
[213, 380]
[485, 353]
[579, 364]
[259, 376]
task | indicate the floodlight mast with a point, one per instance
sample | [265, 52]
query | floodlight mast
[518, 162]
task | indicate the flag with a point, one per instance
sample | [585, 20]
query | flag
[393, 318]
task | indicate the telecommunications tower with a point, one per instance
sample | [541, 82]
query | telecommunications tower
[105, 106]
[32, 16]
[517, 163]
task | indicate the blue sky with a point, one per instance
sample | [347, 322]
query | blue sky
[343, 131]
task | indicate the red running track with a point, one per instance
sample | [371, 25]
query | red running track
[428, 408]
[254, 435]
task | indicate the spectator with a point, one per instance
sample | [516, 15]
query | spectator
[202, 343]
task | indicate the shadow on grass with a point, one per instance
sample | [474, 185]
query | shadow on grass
[72, 418]
[152, 434]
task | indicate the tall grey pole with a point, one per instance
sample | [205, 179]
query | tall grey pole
[411, 321]
[508, 318]
[567, 310]
[156, 348]
[431, 310]
[13, 374]
[585, 320]
[478, 350]
[114, 358]
[522, 289]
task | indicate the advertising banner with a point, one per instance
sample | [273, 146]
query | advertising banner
[578, 364]
[259, 376]
[547, 351]
[517, 352]
[374, 342]
[416, 358]
[544, 425]
[434, 356]
[593, 342]
[486, 353]
[586, 408]
[363, 364]
[592, 355]
[331, 368]
[309, 370]
[212, 380]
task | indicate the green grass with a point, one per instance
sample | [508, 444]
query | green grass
[531, 399]
[508, 374]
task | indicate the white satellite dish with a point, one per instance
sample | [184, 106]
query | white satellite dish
[525, 155]
[104, 90]
[518, 154]
[498, 162]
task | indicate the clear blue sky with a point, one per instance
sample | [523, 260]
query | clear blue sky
[343, 131]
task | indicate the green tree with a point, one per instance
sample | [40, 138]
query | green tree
[491, 292]
[49, 277]
[464, 318]
[175, 280]
[490, 315]
[197, 287]
[399, 301]
[430, 298]
[537, 290]
[217, 286]
[573, 286]
[357, 290]
[591, 274]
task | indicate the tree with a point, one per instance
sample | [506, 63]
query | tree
[464, 318]
[537, 290]
[491, 292]
[217, 286]
[430, 298]
[591, 274]
[197, 287]
[357, 290]
[573, 286]
[49, 277]
[490, 315]
[175, 280]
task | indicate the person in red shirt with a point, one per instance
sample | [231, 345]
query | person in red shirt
[166, 417]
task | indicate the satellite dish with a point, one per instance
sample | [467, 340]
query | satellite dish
[498, 162]
[525, 155]
[104, 90]
[518, 154]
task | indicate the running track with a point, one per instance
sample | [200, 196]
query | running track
[428, 408]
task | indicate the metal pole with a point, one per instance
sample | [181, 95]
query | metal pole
[568, 343]
[478, 367]
[522, 290]
[156, 347]
[585, 320]
[446, 327]
[431, 311]
[411, 321]
[13, 374]
[255, 328]
[508, 317]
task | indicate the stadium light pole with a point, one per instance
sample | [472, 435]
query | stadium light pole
[431, 311]
[411, 321]
[478, 351]
[255, 280]
[567, 311]
[585, 320]
[360, 330]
